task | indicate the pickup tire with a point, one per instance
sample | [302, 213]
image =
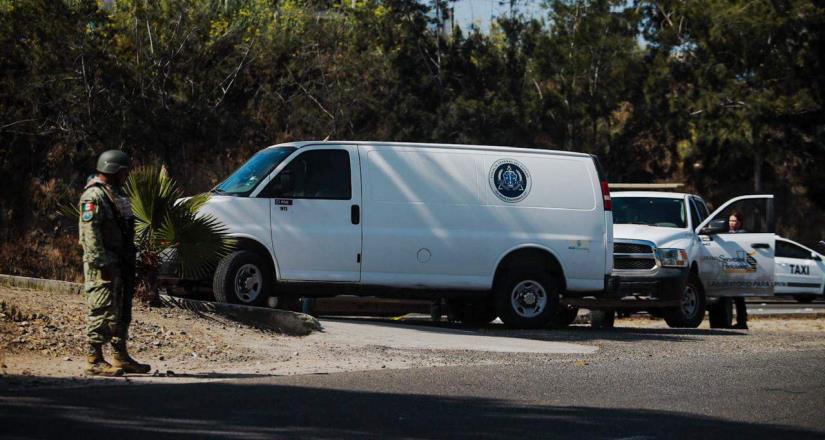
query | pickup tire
[602, 319]
[720, 314]
[526, 298]
[242, 277]
[691, 310]
[564, 316]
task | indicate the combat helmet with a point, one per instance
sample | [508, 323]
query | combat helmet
[113, 161]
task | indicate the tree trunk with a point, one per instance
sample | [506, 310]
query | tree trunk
[758, 160]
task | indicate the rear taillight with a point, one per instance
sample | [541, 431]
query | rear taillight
[608, 202]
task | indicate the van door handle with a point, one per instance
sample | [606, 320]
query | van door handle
[761, 246]
[355, 214]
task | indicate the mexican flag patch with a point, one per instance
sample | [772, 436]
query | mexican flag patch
[87, 211]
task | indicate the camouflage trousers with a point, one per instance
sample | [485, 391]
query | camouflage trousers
[109, 308]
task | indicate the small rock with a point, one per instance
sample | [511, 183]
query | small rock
[170, 373]
[182, 332]
[156, 343]
[160, 358]
[68, 359]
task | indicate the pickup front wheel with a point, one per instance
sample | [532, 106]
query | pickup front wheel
[691, 309]
[242, 277]
[526, 299]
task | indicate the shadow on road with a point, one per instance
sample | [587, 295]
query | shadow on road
[575, 333]
[265, 410]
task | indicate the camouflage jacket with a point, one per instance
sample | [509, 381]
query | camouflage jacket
[101, 234]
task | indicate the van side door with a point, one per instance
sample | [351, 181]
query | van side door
[742, 263]
[315, 219]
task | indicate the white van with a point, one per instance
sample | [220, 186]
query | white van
[497, 231]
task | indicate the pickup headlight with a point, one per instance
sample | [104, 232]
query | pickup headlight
[672, 257]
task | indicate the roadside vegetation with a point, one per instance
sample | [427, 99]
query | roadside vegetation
[725, 96]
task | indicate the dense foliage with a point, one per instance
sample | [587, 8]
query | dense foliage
[723, 95]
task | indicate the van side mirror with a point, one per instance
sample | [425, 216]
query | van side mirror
[283, 184]
[715, 227]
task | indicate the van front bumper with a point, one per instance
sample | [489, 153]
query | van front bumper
[662, 289]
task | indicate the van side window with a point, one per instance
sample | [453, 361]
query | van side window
[316, 174]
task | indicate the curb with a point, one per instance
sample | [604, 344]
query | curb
[41, 284]
[282, 321]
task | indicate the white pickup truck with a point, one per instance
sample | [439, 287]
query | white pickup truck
[676, 261]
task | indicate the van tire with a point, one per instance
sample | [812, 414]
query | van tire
[602, 319]
[526, 298]
[242, 277]
[691, 310]
[720, 314]
[564, 316]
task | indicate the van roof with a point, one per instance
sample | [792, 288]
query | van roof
[659, 194]
[303, 144]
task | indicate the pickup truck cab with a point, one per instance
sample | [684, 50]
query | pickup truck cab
[496, 231]
[675, 260]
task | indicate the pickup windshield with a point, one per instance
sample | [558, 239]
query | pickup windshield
[652, 211]
[244, 180]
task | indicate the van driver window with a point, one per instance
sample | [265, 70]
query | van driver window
[316, 174]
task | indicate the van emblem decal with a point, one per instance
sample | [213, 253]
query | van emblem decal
[510, 180]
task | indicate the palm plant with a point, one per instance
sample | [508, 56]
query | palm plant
[167, 224]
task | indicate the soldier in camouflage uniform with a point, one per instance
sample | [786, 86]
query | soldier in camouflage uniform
[107, 237]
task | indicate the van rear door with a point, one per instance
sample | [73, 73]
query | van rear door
[739, 264]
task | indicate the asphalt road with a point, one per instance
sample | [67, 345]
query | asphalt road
[741, 395]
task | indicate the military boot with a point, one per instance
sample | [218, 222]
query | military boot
[97, 366]
[121, 359]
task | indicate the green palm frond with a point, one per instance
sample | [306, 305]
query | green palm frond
[165, 221]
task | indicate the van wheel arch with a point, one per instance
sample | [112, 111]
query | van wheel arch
[531, 258]
[248, 244]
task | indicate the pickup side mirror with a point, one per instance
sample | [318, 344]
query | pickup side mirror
[715, 227]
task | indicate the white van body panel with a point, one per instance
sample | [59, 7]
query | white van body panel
[430, 219]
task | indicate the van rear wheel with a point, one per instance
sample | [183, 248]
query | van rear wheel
[526, 299]
[242, 277]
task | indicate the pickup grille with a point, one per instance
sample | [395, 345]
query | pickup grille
[634, 263]
[633, 256]
[631, 248]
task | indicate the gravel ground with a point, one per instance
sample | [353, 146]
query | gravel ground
[41, 337]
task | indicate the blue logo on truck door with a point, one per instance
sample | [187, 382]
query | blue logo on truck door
[510, 180]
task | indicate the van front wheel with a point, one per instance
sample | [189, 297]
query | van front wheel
[242, 277]
[526, 299]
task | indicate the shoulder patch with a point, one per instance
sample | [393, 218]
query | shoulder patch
[88, 211]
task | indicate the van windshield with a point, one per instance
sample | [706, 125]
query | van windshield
[652, 211]
[244, 180]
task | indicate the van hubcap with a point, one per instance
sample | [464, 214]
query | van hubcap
[248, 283]
[528, 299]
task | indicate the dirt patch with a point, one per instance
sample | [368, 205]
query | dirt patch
[42, 335]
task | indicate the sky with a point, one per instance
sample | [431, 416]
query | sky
[481, 12]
